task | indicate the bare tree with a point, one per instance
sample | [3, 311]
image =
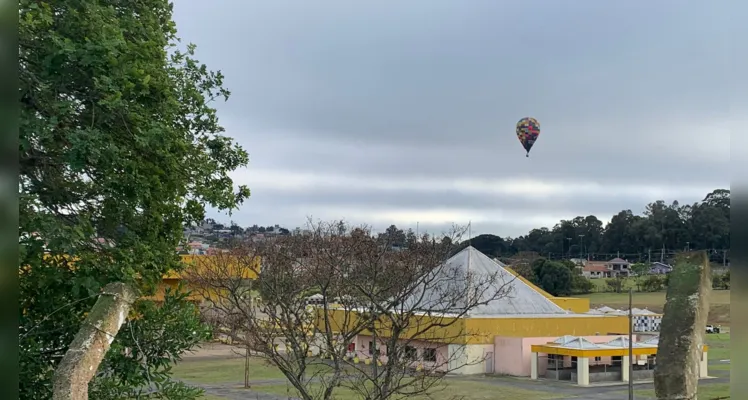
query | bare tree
[400, 297]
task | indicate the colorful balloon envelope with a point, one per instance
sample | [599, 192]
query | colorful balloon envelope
[528, 130]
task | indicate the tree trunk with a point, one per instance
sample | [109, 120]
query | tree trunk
[92, 342]
[683, 327]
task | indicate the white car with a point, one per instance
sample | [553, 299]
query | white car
[712, 329]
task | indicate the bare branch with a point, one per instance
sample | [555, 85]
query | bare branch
[321, 293]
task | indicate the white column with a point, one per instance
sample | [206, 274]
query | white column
[534, 365]
[625, 368]
[704, 365]
[583, 371]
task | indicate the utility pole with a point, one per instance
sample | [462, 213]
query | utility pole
[631, 346]
[581, 246]
[662, 253]
[724, 258]
[649, 256]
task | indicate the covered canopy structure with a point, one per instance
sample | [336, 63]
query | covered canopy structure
[582, 350]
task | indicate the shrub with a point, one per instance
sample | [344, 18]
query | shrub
[614, 284]
[581, 285]
[653, 283]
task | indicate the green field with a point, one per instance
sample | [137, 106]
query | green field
[706, 392]
[719, 347]
[655, 301]
[230, 372]
[224, 371]
[465, 390]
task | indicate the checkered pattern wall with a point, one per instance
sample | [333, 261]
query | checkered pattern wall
[647, 323]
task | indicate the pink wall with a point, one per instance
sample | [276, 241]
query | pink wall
[442, 352]
[512, 354]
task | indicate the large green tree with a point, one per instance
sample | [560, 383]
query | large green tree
[119, 148]
[660, 231]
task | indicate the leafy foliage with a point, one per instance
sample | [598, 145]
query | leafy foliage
[581, 285]
[119, 147]
[553, 277]
[615, 284]
[721, 281]
[154, 349]
[653, 283]
[663, 228]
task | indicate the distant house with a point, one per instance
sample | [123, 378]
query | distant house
[607, 269]
[619, 266]
[658, 268]
[595, 269]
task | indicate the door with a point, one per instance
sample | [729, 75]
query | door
[489, 363]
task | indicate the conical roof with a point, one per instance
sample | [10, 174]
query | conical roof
[455, 276]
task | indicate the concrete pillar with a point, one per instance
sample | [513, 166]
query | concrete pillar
[625, 368]
[534, 366]
[583, 371]
[704, 365]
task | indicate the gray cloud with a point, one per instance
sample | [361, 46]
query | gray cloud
[445, 199]
[626, 93]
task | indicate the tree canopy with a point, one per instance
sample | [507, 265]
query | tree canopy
[119, 147]
[662, 229]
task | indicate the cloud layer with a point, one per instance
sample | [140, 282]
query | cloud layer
[404, 112]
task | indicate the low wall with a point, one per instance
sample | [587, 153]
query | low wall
[561, 374]
[643, 374]
[609, 376]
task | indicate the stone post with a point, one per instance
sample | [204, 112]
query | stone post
[92, 342]
[683, 328]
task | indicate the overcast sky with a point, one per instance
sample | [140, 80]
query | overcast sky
[404, 111]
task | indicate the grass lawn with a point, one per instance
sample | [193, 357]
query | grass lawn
[719, 346]
[706, 392]
[600, 283]
[224, 371]
[451, 388]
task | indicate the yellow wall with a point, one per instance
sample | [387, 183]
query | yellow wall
[574, 304]
[172, 284]
[453, 333]
[201, 265]
[483, 330]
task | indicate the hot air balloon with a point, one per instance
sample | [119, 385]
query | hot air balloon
[528, 130]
